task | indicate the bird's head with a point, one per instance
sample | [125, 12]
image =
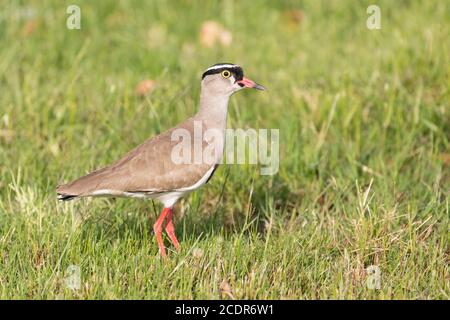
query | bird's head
[226, 79]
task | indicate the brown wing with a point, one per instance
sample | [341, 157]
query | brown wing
[149, 167]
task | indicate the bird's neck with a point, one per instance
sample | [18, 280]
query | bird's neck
[213, 110]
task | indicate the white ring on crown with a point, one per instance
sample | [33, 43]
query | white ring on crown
[222, 66]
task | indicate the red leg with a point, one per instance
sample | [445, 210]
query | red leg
[157, 228]
[170, 229]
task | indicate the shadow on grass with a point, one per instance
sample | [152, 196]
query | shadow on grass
[122, 219]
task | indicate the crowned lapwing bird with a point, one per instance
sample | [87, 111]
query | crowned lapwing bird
[159, 168]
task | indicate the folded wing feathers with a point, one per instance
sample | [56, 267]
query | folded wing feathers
[148, 168]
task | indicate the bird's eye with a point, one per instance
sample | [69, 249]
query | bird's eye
[226, 73]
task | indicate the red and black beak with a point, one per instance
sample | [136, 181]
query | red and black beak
[247, 83]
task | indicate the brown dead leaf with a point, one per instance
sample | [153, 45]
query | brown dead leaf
[39, 258]
[225, 290]
[358, 274]
[213, 32]
[29, 28]
[293, 17]
[445, 157]
[145, 87]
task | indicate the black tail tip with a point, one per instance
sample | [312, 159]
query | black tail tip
[65, 197]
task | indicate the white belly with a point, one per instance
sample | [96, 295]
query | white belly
[168, 198]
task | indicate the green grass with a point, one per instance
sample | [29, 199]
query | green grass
[364, 175]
